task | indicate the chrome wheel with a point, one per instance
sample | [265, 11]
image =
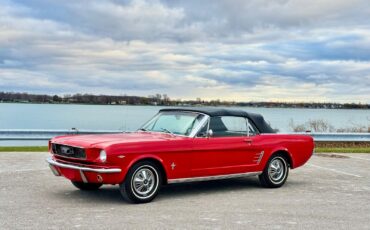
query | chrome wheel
[144, 182]
[277, 170]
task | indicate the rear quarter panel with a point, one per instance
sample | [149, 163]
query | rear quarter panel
[299, 147]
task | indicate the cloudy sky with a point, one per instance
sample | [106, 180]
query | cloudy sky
[242, 50]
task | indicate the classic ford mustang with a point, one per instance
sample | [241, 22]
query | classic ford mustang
[180, 145]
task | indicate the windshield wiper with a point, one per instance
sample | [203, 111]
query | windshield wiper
[142, 129]
[167, 131]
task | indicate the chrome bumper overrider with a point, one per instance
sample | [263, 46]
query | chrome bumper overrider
[217, 177]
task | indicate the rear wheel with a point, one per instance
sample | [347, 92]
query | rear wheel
[275, 173]
[86, 186]
[142, 182]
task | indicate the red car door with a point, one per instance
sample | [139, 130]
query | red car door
[230, 150]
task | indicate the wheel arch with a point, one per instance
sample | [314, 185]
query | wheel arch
[285, 153]
[157, 161]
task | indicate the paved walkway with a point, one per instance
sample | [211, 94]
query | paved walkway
[326, 193]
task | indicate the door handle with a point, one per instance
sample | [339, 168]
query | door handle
[248, 141]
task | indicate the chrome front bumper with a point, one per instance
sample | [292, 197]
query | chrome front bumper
[56, 172]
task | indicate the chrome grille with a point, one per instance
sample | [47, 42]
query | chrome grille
[68, 151]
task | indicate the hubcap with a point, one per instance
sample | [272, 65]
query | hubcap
[276, 170]
[144, 182]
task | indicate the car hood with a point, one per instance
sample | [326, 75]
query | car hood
[104, 140]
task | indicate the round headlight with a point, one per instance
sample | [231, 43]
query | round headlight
[103, 156]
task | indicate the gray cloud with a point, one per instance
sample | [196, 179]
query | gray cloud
[234, 50]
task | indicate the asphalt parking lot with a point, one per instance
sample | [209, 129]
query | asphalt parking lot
[327, 193]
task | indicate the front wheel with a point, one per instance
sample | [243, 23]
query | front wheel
[275, 173]
[142, 182]
[86, 186]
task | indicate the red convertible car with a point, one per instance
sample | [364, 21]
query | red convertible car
[180, 145]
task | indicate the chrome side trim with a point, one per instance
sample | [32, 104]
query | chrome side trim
[85, 169]
[218, 177]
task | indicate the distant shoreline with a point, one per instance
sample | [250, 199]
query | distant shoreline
[197, 105]
[161, 100]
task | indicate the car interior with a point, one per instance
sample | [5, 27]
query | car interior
[219, 129]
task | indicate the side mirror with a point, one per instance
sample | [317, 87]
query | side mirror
[210, 133]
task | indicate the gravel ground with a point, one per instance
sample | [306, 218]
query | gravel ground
[329, 192]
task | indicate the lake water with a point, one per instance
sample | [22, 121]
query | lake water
[119, 117]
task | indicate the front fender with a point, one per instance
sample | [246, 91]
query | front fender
[138, 158]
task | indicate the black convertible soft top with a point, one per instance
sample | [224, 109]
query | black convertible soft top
[257, 119]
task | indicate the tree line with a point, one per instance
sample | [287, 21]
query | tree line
[159, 99]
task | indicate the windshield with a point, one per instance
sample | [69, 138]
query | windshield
[180, 123]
